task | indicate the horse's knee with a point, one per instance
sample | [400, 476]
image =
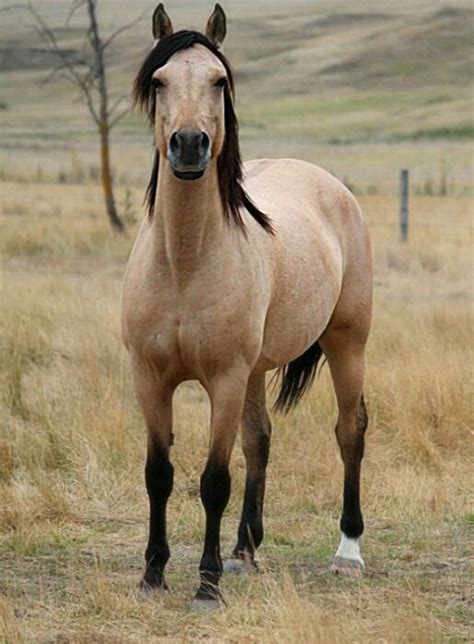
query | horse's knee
[159, 475]
[215, 488]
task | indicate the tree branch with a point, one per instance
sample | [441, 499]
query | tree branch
[99, 66]
[67, 63]
[88, 73]
[119, 117]
[116, 103]
[120, 30]
[77, 4]
[53, 73]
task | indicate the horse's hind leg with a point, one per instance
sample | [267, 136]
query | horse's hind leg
[344, 349]
[256, 431]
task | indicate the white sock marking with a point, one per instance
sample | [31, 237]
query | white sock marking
[349, 549]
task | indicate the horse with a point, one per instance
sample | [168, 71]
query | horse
[237, 270]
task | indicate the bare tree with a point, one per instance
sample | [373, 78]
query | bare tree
[89, 74]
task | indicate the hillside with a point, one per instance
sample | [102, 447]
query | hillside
[310, 74]
[329, 72]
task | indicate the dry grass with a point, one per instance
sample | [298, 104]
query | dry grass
[73, 505]
[73, 508]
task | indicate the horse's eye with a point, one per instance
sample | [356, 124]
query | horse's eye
[157, 83]
[222, 82]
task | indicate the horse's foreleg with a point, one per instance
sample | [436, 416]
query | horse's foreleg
[227, 400]
[256, 432]
[156, 402]
[346, 360]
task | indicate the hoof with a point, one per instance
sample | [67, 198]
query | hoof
[349, 567]
[199, 605]
[235, 566]
[145, 592]
[238, 566]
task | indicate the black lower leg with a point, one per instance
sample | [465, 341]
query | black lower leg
[250, 534]
[159, 483]
[215, 492]
[352, 448]
[352, 523]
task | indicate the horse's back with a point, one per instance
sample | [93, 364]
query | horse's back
[296, 192]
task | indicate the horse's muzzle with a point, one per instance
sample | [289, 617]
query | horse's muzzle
[189, 153]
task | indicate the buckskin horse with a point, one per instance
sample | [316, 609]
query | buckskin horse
[237, 270]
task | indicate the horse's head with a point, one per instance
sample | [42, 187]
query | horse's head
[189, 81]
[186, 86]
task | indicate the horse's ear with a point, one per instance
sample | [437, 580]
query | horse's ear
[162, 25]
[216, 27]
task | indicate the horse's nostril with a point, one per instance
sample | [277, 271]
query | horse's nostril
[174, 142]
[204, 142]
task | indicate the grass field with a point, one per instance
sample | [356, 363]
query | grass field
[73, 517]
[362, 93]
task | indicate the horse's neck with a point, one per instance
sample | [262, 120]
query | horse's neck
[188, 221]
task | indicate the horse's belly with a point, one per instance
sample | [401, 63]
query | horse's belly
[306, 289]
[297, 318]
[286, 339]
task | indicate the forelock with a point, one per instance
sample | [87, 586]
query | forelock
[164, 49]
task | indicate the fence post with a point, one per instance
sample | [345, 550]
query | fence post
[403, 205]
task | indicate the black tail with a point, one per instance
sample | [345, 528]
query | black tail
[297, 377]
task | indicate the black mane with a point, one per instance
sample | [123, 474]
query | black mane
[229, 163]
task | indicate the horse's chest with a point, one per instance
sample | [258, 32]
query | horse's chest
[187, 343]
[192, 331]
[160, 342]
